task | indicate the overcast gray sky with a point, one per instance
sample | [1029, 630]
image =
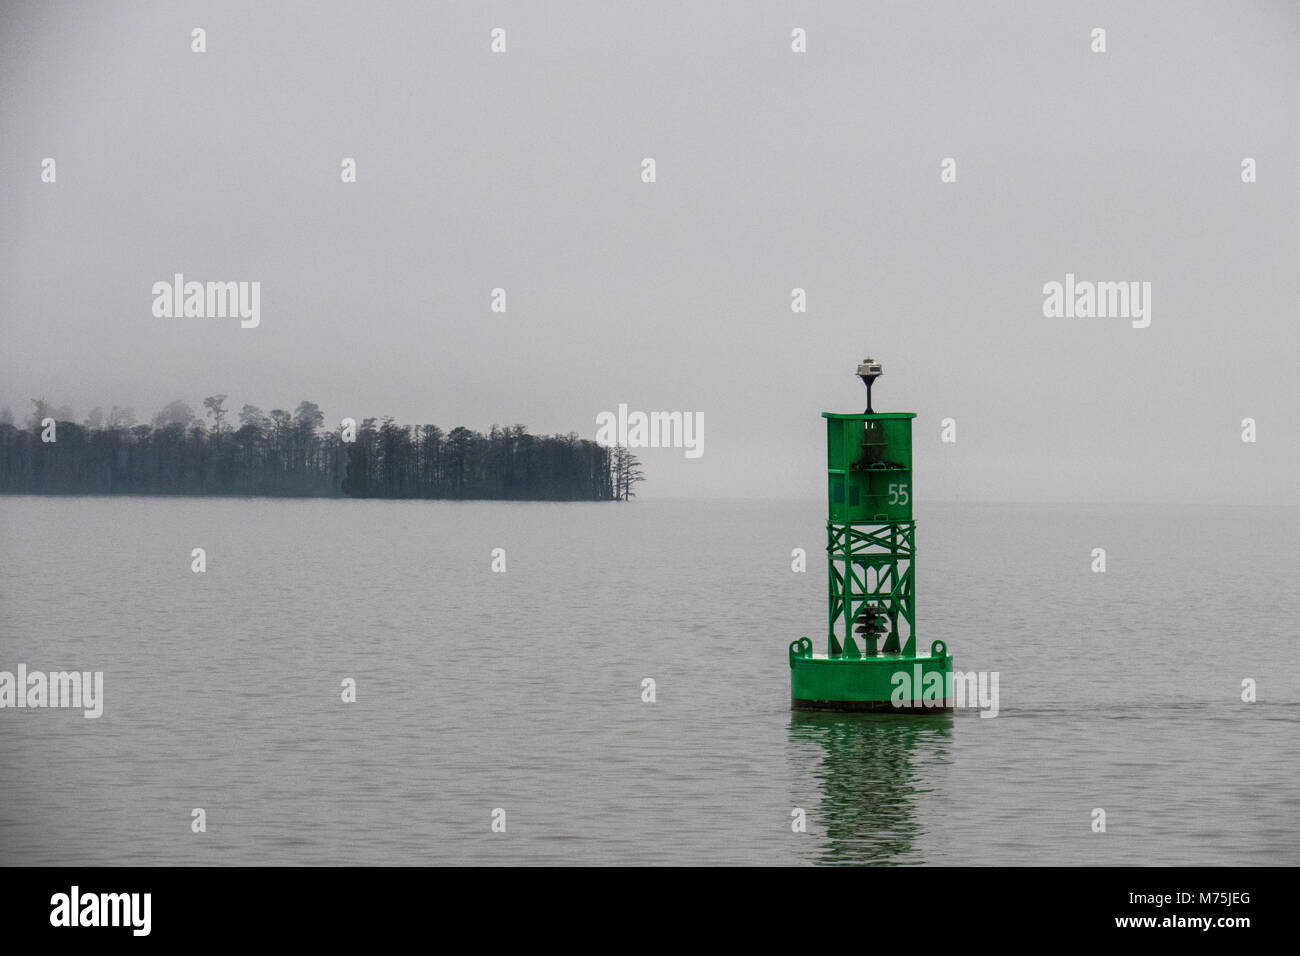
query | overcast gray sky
[775, 170]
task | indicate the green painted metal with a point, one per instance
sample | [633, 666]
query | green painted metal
[871, 551]
[896, 683]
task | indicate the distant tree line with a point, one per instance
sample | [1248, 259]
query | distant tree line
[291, 454]
[388, 460]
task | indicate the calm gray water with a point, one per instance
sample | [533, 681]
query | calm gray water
[478, 690]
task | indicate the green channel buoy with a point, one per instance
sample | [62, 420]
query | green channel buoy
[871, 660]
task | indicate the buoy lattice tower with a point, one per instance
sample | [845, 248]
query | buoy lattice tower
[871, 574]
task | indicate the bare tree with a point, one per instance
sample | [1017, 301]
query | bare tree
[627, 473]
[215, 404]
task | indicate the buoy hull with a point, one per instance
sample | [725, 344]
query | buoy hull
[891, 683]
